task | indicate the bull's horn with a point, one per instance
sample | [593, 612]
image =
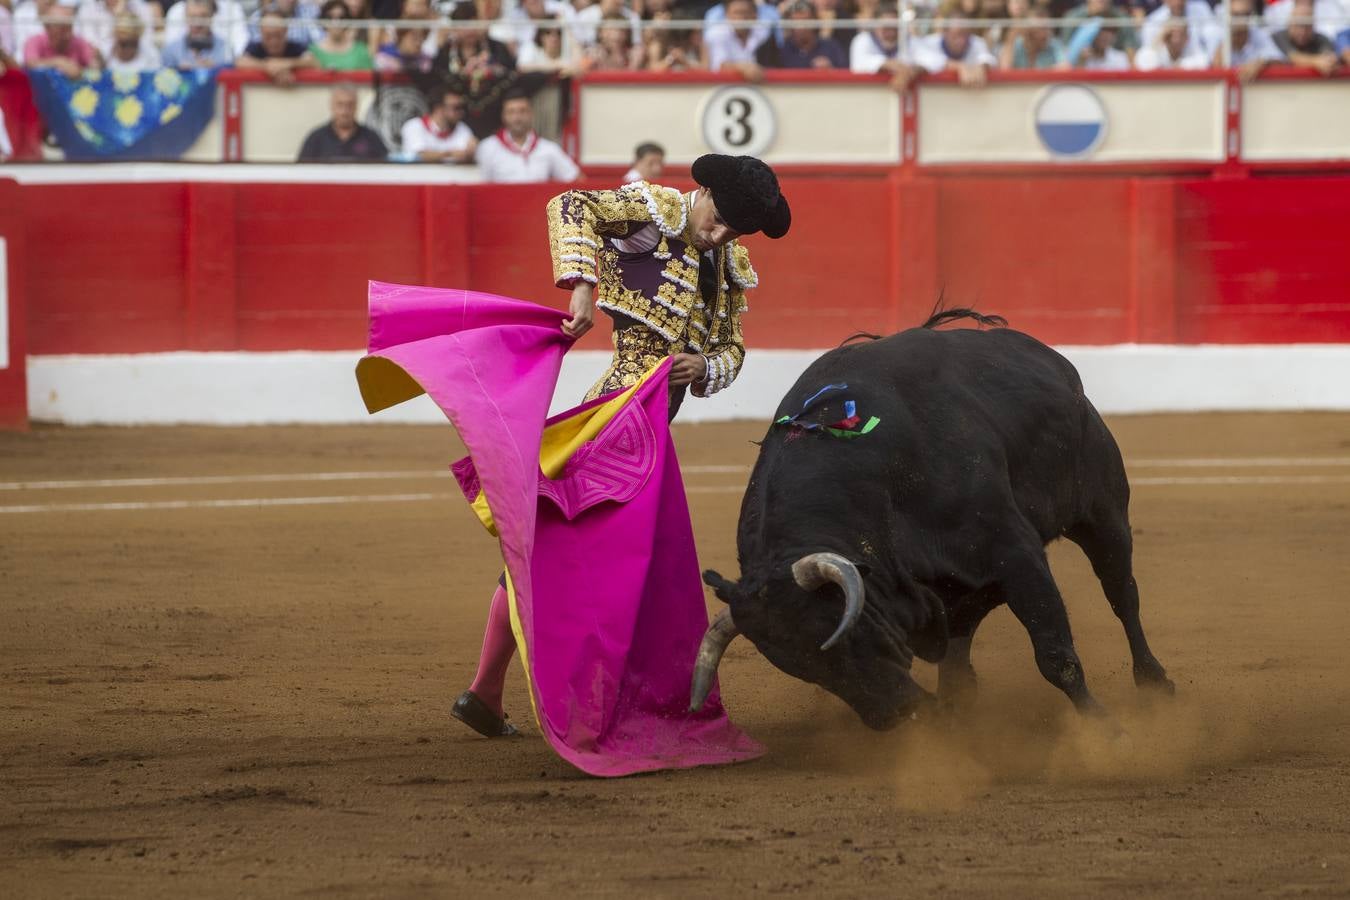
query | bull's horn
[721, 632]
[810, 572]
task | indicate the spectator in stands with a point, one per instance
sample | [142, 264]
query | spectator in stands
[342, 138]
[802, 47]
[1204, 29]
[228, 24]
[340, 50]
[613, 50]
[275, 53]
[418, 14]
[829, 10]
[96, 20]
[1100, 53]
[586, 23]
[360, 9]
[672, 50]
[649, 161]
[470, 52]
[28, 18]
[1253, 48]
[6, 35]
[527, 17]
[1173, 49]
[955, 49]
[201, 46]
[1330, 17]
[878, 49]
[1303, 44]
[1086, 19]
[730, 45]
[58, 48]
[441, 136]
[545, 52]
[406, 52]
[766, 13]
[1033, 46]
[516, 154]
[303, 21]
[129, 52]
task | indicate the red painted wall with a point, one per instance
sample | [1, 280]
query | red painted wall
[1071, 259]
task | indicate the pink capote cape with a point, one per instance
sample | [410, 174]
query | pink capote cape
[606, 601]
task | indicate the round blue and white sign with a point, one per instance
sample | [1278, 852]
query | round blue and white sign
[1070, 120]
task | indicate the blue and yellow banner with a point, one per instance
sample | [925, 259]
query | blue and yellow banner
[157, 114]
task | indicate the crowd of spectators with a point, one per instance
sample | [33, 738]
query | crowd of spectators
[484, 42]
[480, 39]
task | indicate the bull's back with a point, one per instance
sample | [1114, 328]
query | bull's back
[983, 410]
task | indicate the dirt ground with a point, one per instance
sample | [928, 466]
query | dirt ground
[200, 698]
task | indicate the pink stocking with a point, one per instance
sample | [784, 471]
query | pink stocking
[499, 645]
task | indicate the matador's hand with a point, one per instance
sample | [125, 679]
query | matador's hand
[582, 309]
[687, 368]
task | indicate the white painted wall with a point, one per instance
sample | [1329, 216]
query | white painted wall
[320, 388]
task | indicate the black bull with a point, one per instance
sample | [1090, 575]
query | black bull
[859, 552]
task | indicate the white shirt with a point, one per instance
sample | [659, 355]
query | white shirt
[1204, 29]
[532, 58]
[928, 52]
[146, 58]
[1329, 16]
[1260, 45]
[420, 133]
[586, 24]
[517, 26]
[501, 161]
[725, 46]
[866, 57]
[1150, 59]
[1113, 60]
[229, 25]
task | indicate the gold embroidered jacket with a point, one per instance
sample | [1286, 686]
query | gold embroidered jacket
[657, 286]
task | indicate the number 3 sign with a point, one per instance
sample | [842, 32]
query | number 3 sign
[738, 120]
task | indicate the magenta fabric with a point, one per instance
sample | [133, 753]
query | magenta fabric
[601, 559]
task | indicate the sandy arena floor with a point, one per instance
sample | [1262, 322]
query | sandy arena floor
[207, 698]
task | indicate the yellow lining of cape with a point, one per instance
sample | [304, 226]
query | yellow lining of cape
[562, 439]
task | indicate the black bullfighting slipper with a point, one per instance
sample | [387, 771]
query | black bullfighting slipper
[472, 711]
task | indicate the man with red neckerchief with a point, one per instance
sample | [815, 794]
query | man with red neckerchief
[440, 135]
[517, 155]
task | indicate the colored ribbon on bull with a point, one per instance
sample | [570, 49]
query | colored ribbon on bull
[156, 114]
[846, 427]
[590, 513]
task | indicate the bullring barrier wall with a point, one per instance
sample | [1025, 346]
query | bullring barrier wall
[244, 301]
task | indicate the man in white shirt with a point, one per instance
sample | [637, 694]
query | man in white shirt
[730, 45]
[1174, 50]
[96, 21]
[1102, 55]
[440, 135]
[516, 154]
[954, 48]
[1253, 47]
[229, 25]
[879, 49]
[1206, 32]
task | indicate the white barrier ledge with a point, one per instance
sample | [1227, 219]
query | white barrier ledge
[320, 388]
[251, 173]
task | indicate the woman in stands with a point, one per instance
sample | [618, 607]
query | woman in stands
[340, 50]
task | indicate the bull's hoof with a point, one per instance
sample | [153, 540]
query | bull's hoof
[1151, 678]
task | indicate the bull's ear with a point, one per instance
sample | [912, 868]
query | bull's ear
[724, 589]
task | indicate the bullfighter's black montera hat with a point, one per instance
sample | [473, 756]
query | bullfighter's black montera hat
[746, 193]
